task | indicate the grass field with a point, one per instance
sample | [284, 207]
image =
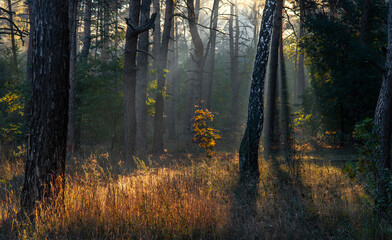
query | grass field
[188, 197]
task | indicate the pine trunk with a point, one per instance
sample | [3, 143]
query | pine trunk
[46, 146]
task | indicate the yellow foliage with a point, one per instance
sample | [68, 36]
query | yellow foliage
[205, 136]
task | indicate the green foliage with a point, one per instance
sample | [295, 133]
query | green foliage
[205, 136]
[345, 76]
[13, 95]
[99, 101]
[367, 171]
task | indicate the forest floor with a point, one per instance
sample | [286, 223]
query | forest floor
[185, 196]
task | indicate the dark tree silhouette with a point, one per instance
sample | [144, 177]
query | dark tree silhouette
[46, 153]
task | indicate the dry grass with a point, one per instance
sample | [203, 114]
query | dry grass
[192, 201]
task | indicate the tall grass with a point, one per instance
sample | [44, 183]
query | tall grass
[190, 201]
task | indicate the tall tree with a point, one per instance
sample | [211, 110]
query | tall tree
[365, 21]
[301, 66]
[133, 31]
[46, 146]
[211, 55]
[158, 116]
[248, 152]
[272, 80]
[382, 118]
[141, 82]
[73, 10]
[172, 82]
[234, 49]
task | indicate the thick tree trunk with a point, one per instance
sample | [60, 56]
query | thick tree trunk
[130, 82]
[159, 128]
[46, 147]
[211, 55]
[248, 152]
[141, 83]
[196, 70]
[272, 81]
[73, 10]
[382, 118]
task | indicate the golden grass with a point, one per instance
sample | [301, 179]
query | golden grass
[193, 202]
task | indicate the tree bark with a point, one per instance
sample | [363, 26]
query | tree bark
[382, 118]
[130, 82]
[13, 42]
[248, 152]
[46, 146]
[141, 83]
[158, 117]
[73, 10]
[272, 81]
[211, 58]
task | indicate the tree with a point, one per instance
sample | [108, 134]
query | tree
[382, 117]
[248, 152]
[133, 31]
[141, 82]
[272, 80]
[234, 49]
[46, 146]
[158, 116]
[73, 7]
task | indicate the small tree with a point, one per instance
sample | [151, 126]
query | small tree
[205, 136]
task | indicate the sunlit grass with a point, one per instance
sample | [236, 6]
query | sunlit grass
[193, 200]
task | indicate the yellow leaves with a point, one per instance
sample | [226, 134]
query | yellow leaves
[14, 103]
[205, 136]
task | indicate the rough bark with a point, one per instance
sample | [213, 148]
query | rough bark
[211, 55]
[141, 82]
[248, 152]
[46, 146]
[382, 118]
[130, 82]
[159, 128]
[272, 81]
[73, 10]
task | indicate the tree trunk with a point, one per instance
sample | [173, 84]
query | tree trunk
[84, 53]
[105, 34]
[46, 146]
[211, 58]
[284, 104]
[172, 83]
[365, 21]
[301, 68]
[382, 118]
[130, 82]
[248, 152]
[158, 117]
[141, 83]
[196, 71]
[272, 81]
[73, 10]
[13, 42]
[234, 42]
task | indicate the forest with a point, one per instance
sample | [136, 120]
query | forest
[195, 119]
